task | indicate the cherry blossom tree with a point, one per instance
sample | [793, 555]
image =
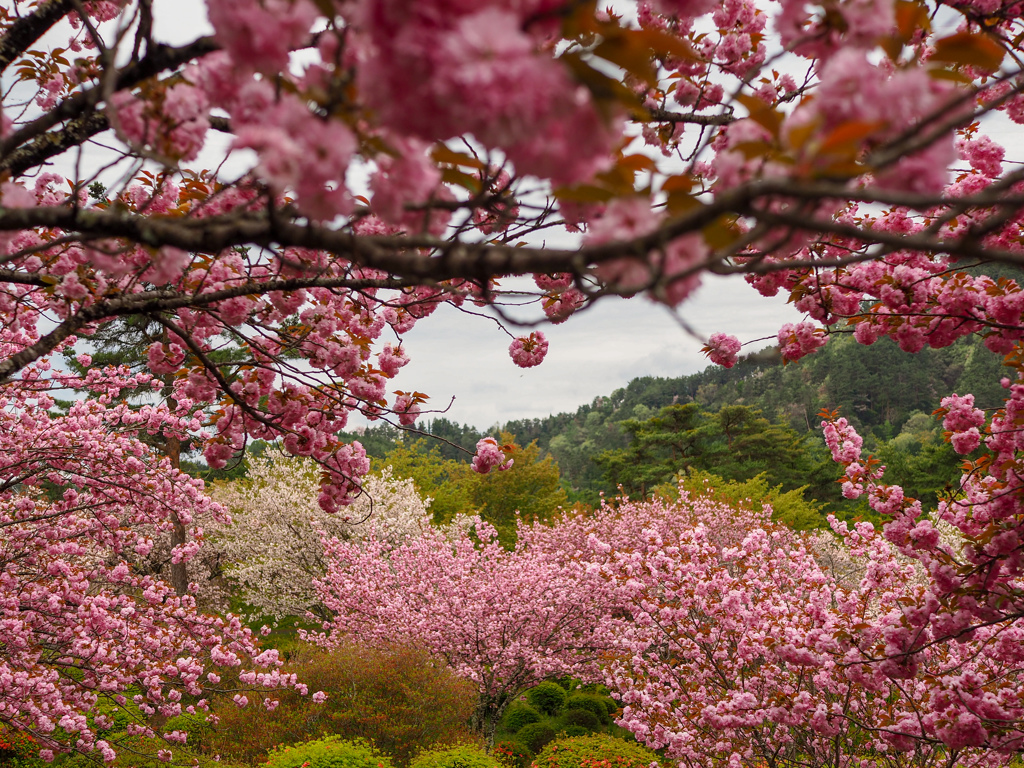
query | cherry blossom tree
[87, 637]
[751, 653]
[504, 620]
[480, 124]
[272, 551]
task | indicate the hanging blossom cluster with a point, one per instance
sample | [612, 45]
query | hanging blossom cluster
[528, 351]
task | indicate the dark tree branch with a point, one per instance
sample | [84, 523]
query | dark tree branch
[159, 59]
[54, 143]
[26, 30]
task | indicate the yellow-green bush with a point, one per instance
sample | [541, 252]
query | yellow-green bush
[328, 752]
[459, 756]
[586, 751]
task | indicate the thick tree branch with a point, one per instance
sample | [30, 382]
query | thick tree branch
[54, 143]
[666, 116]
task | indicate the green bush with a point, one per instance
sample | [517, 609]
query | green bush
[581, 718]
[519, 715]
[512, 754]
[460, 756]
[572, 730]
[588, 702]
[583, 751]
[328, 752]
[399, 699]
[548, 697]
[535, 736]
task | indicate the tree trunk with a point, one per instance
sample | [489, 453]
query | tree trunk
[179, 576]
[485, 719]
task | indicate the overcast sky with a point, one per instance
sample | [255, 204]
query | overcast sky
[593, 354]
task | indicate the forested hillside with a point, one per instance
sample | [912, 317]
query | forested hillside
[887, 394]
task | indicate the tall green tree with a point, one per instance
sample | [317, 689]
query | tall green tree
[736, 443]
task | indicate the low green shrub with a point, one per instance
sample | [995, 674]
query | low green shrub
[585, 751]
[548, 697]
[588, 702]
[459, 756]
[518, 715]
[535, 736]
[512, 754]
[328, 752]
[582, 718]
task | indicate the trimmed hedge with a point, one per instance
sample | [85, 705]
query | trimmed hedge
[519, 715]
[535, 736]
[584, 751]
[581, 718]
[460, 756]
[328, 752]
[588, 702]
[548, 697]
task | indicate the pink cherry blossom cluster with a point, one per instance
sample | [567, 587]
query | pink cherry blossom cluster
[799, 339]
[962, 419]
[528, 351]
[722, 349]
[489, 455]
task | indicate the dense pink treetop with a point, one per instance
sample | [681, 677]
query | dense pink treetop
[742, 649]
[504, 620]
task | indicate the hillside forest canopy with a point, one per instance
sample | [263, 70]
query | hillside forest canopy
[211, 251]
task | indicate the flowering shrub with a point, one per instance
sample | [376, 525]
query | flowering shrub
[512, 754]
[328, 752]
[459, 756]
[594, 751]
[18, 749]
